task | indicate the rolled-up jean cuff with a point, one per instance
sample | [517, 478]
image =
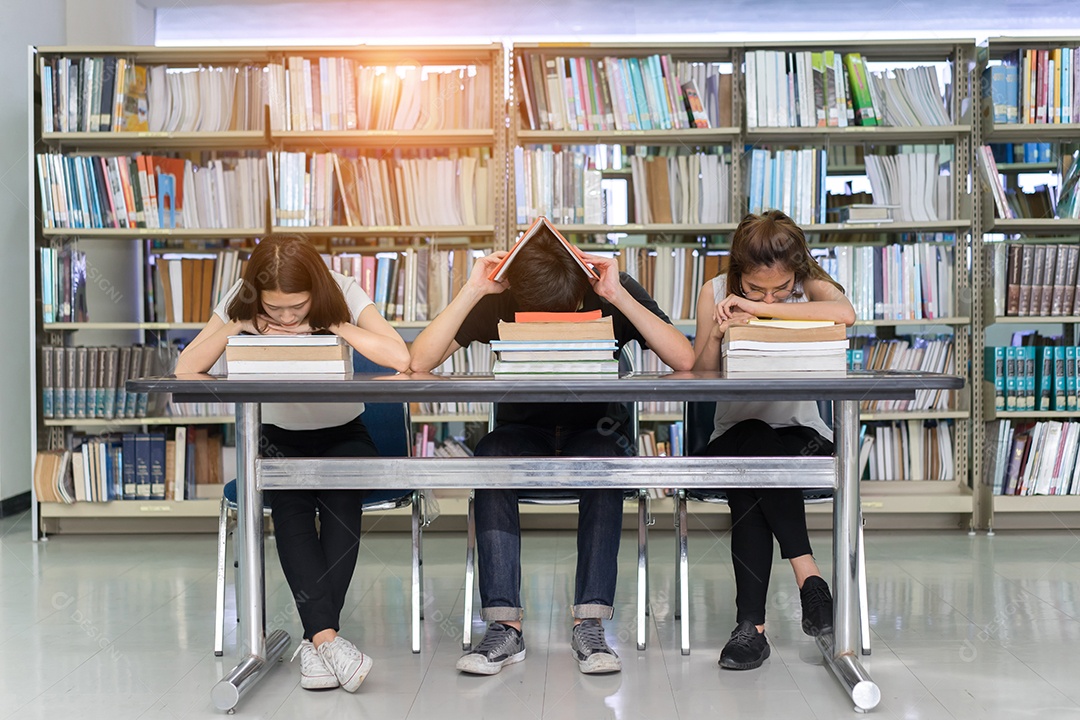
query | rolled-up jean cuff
[597, 612]
[502, 614]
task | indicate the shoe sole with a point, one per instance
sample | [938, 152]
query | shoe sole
[729, 664]
[598, 664]
[324, 682]
[475, 664]
[353, 684]
[815, 631]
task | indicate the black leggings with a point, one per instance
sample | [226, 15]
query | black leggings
[757, 515]
[318, 563]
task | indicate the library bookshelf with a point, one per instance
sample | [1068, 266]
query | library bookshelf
[1020, 139]
[454, 114]
[969, 229]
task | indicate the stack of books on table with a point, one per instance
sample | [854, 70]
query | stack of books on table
[766, 347]
[556, 344]
[322, 355]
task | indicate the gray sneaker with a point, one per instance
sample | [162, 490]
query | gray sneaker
[502, 645]
[591, 650]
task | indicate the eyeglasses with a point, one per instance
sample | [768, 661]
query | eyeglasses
[777, 295]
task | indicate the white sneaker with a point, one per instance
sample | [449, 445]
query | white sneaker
[346, 662]
[314, 675]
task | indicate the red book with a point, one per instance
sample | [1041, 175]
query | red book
[558, 316]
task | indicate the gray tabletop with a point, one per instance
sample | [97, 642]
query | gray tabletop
[682, 386]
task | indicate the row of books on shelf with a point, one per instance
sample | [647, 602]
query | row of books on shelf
[341, 94]
[114, 94]
[671, 274]
[410, 285]
[1029, 152]
[322, 189]
[1035, 279]
[131, 466]
[187, 289]
[907, 450]
[476, 358]
[427, 444]
[911, 183]
[1034, 377]
[63, 283]
[830, 89]
[923, 353]
[653, 92]
[88, 382]
[152, 191]
[1033, 86]
[909, 281]
[1033, 458]
[1060, 200]
[651, 442]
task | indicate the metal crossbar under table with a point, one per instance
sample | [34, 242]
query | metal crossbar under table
[258, 651]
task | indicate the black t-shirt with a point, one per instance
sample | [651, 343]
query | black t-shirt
[482, 325]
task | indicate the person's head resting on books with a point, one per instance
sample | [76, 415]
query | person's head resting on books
[769, 260]
[545, 278]
[287, 284]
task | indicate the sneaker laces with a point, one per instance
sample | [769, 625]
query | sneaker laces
[344, 649]
[744, 635]
[816, 598]
[298, 648]
[592, 636]
[494, 637]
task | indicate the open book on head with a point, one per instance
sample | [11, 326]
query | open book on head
[539, 225]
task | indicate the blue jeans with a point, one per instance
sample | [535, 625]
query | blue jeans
[498, 528]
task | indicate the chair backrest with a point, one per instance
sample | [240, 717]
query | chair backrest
[388, 423]
[698, 424]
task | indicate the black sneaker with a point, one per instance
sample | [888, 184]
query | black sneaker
[747, 648]
[502, 645]
[591, 650]
[817, 607]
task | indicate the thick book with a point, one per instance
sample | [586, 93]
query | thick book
[786, 332]
[289, 367]
[601, 329]
[558, 316]
[142, 466]
[499, 273]
[595, 367]
[556, 354]
[562, 345]
[287, 354]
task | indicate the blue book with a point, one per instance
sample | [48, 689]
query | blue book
[645, 117]
[1059, 378]
[1070, 378]
[157, 466]
[128, 490]
[382, 282]
[995, 373]
[142, 466]
[657, 75]
[1012, 395]
[1012, 93]
[1045, 375]
[1029, 376]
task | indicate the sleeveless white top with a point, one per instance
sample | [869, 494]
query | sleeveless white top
[777, 413]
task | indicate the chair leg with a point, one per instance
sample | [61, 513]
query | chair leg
[864, 609]
[416, 582]
[679, 497]
[422, 518]
[684, 580]
[470, 555]
[643, 568]
[219, 605]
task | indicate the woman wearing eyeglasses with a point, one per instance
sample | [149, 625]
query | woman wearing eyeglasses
[771, 274]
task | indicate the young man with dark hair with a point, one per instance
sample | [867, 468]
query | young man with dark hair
[544, 277]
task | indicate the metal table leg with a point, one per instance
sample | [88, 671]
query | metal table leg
[257, 652]
[840, 649]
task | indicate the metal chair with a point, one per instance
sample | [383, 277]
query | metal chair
[390, 429]
[697, 427]
[552, 497]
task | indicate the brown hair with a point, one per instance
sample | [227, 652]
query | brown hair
[289, 265]
[768, 239]
[544, 278]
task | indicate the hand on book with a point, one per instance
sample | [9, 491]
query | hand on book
[483, 268]
[608, 286]
[733, 304]
[722, 325]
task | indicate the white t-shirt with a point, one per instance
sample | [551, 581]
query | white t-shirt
[307, 416]
[777, 413]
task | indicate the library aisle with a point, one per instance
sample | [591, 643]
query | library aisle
[962, 627]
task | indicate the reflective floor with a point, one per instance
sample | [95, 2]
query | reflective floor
[962, 627]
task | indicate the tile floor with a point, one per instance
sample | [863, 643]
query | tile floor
[963, 627]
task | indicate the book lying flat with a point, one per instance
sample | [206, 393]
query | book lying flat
[601, 329]
[776, 333]
[287, 354]
[539, 224]
[285, 340]
[785, 364]
[558, 316]
[598, 367]
[288, 367]
[515, 345]
[549, 355]
[757, 346]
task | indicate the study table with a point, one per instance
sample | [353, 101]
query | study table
[257, 650]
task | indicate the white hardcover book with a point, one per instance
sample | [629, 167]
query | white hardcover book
[751, 89]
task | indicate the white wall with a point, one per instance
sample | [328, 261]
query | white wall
[24, 23]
